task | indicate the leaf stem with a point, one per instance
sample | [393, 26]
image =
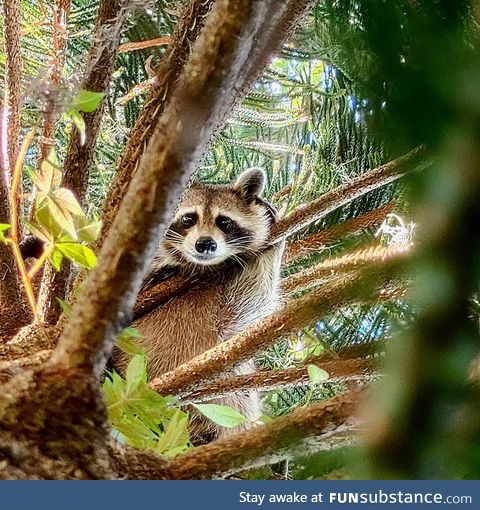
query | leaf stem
[13, 238]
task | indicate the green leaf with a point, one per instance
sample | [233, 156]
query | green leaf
[87, 101]
[265, 418]
[40, 232]
[55, 259]
[136, 373]
[65, 199]
[49, 176]
[316, 375]
[78, 253]
[176, 435]
[66, 307]
[3, 228]
[126, 341]
[87, 230]
[224, 416]
[54, 218]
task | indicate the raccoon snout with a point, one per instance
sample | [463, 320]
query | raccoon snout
[206, 245]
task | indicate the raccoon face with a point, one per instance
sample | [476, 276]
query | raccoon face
[216, 223]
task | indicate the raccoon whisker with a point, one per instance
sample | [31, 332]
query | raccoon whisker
[240, 261]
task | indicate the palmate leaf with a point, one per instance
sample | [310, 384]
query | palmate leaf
[49, 176]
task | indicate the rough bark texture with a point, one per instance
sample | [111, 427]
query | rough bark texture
[76, 169]
[319, 208]
[317, 241]
[61, 12]
[331, 268]
[13, 76]
[13, 312]
[305, 430]
[267, 380]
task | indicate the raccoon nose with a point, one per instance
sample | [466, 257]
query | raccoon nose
[206, 245]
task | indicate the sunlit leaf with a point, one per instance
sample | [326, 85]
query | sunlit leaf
[67, 200]
[3, 228]
[136, 373]
[126, 341]
[49, 176]
[316, 375]
[78, 253]
[87, 101]
[55, 259]
[224, 416]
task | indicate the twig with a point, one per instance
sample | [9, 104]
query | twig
[333, 267]
[13, 239]
[140, 45]
[332, 200]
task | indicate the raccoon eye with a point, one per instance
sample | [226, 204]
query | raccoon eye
[188, 220]
[225, 224]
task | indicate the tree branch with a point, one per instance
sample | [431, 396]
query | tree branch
[332, 200]
[234, 33]
[331, 268]
[304, 430]
[267, 380]
[314, 242]
[190, 23]
[61, 12]
[12, 308]
[297, 313]
[13, 77]
[76, 170]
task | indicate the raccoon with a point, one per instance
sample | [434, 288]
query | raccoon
[221, 231]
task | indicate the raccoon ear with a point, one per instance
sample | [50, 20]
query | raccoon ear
[251, 183]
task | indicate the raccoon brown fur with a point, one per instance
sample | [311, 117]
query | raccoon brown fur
[221, 231]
